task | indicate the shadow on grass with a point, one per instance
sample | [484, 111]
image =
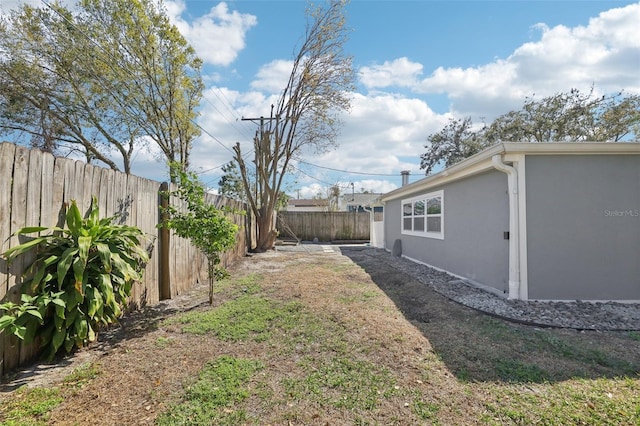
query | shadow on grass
[133, 325]
[477, 347]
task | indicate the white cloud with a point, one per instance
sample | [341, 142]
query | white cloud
[318, 189]
[388, 125]
[7, 5]
[400, 72]
[313, 190]
[378, 134]
[604, 54]
[273, 77]
[374, 185]
[217, 36]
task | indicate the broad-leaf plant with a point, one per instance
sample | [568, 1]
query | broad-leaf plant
[79, 281]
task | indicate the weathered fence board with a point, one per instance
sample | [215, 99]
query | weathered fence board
[147, 220]
[32, 218]
[7, 154]
[326, 226]
[35, 188]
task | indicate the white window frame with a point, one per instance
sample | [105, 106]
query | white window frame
[424, 198]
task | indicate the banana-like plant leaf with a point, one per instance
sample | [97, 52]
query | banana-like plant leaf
[92, 334]
[30, 334]
[58, 321]
[71, 318]
[78, 273]
[74, 219]
[93, 218]
[45, 333]
[65, 262]
[107, 289]
[95, 301]
[121, 267]
[105, 256]
[40, 272]
[30, 230]
[84, 244]
[105, 260]
[16, 251]
[117, 312]
[60, 311]
[82, 331]
[68, 344]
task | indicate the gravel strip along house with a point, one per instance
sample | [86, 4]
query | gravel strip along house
[548, 221]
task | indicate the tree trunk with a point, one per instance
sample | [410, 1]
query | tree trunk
[211, 267]
[266, 232]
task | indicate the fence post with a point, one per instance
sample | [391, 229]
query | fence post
[163, 244]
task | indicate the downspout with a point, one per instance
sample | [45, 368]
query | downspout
[514, 229]
[371, 229]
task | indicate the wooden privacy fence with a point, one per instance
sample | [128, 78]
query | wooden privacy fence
[34, 189]
[326, 226]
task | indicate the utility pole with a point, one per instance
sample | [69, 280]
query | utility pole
[259, 145]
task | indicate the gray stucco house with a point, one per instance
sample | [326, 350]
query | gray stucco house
[553, 221]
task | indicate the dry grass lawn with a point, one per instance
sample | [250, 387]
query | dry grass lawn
[331, 339]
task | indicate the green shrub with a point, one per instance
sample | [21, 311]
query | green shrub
[206, 226]
[80, 280]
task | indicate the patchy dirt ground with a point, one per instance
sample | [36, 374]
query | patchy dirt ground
[433, 347]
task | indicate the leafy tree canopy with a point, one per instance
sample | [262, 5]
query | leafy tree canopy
[230, 184]
[564, 117]
[100, 79]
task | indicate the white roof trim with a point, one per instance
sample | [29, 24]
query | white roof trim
[481, 161]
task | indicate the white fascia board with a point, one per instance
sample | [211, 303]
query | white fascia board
[473, 165]
[572, 148]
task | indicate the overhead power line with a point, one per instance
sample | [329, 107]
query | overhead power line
[350, 172]
[312, 177]
[224, 102]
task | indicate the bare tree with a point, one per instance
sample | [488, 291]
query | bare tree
[306, 115]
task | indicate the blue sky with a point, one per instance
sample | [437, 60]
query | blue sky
[418, 64]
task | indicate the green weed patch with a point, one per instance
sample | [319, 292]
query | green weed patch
[246, 317]
[82, 375]
[248, 284]
[30, 407]
[342, 382]
[220, 384]
[574, 402]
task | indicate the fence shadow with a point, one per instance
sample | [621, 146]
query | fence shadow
[133, 325]
[477, 347]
